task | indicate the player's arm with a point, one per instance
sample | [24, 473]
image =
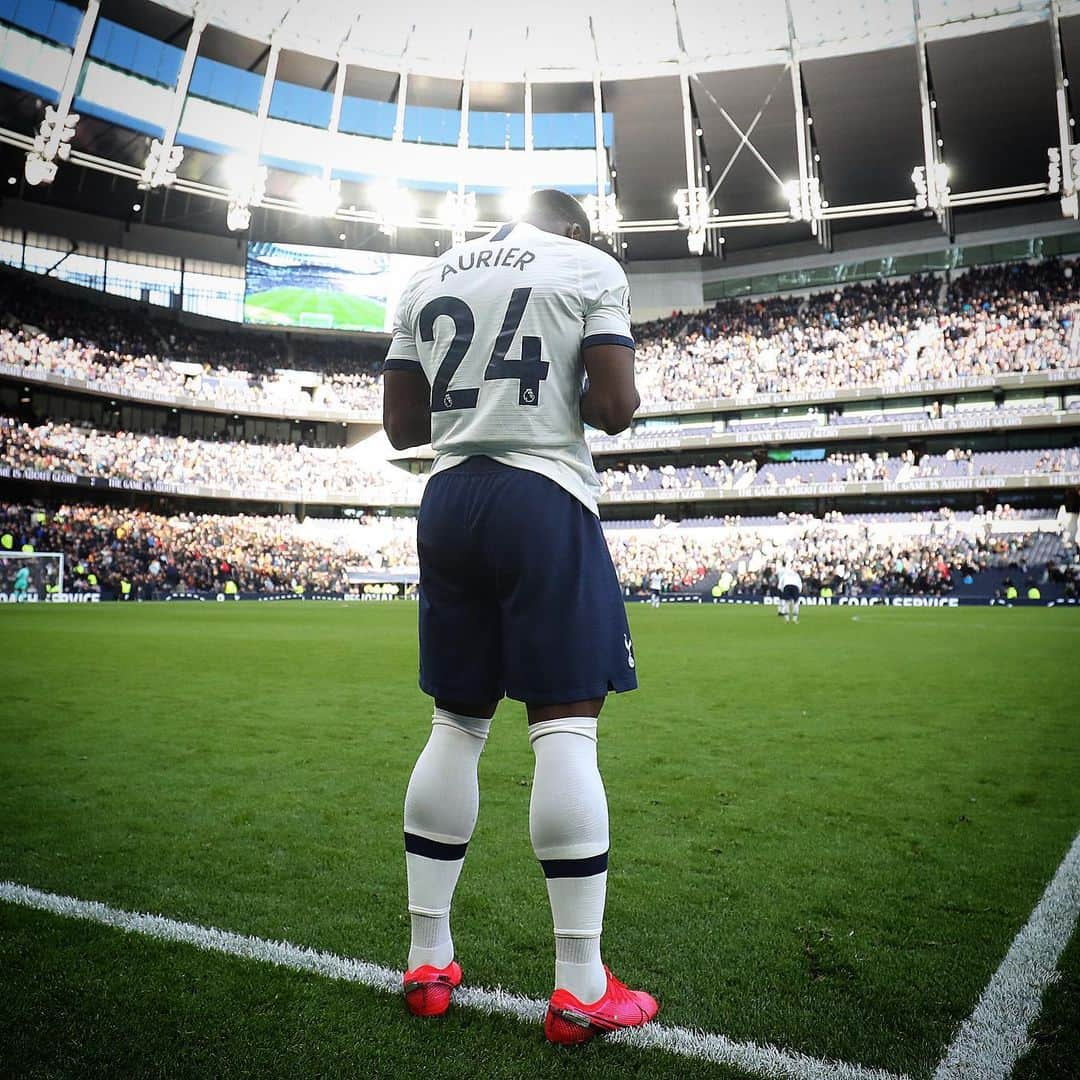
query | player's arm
[406, 407]
[612, 398]
[406, 391]
[607, 347]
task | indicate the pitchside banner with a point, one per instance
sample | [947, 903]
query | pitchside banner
[390, 592]
[880, 601]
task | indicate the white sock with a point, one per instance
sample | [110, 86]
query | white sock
[568, 823]
[440, 813]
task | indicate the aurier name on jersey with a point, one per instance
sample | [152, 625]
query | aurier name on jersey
[497, 326]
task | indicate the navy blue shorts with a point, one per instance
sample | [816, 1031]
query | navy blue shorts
[518, 594]
[790, 592]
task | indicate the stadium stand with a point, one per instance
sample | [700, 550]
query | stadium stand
[887, 334]
[883, 336]
[120, 350]
[932, 553]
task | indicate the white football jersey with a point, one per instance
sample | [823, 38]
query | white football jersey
[789, 577]
[497, 326]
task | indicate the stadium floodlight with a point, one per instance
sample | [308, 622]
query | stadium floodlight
[160, 168]
[604, 214]
[918, 178]
[53, 140]
[692, 208]
[1070, 203]
[942, 173]
[459, 212]
[394, 206]
[516, 202]
[318, 197]
[39, 171]
[238, 217]
[1054, 183]
[938, 199]
[247, 185]
[792, 190]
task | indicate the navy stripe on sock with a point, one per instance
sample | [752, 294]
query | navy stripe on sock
[556, 868]
[434, 849]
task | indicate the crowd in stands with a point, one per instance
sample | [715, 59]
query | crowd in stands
[994, 321]
[998, 320]
[195, 552]
[925, 553]
[837, 468]
[120, 350]
[647, 435]
[288, 471]
[275, 470]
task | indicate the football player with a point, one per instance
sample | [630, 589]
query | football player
[503, 348]
[656, 587]
[790, 585]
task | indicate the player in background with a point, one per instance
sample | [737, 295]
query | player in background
[518, 594]
[21, 586]
[656, 587]
[790, 585]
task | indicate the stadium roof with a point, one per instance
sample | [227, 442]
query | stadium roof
[565, 40]
[990, 68]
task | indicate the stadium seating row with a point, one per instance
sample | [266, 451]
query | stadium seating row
[925, 553]
[283, 471]
[888, 334]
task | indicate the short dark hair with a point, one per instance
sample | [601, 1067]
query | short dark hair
[556, 209]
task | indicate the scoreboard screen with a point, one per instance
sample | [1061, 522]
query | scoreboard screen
[324, 288]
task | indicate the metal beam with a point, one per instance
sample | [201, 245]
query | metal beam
[335, 114]
[162, 161]
[267, 90]
[75, 64]
[801, 133]
[399, 116]
[58, 126]
[183, 80]
[528, 118]
[598, 129]
[1069, 169]
[937, 192]
[688, 132]
[463, 142]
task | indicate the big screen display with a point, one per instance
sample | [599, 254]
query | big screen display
[328, 288]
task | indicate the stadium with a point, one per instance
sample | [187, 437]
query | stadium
[844, 813]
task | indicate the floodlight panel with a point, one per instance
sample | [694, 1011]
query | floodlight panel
[862, 23]
[562, 39]
[626, 42]
[938, 12]
[735, 30]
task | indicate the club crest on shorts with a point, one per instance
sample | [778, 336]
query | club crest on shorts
[631, 662]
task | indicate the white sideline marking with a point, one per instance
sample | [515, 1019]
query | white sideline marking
[991, 1041]
[760, 1060]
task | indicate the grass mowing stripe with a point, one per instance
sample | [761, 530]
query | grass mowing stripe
[770, 1062]
[992, 1039]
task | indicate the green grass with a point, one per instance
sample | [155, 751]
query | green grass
[823, 836]
[290, 305]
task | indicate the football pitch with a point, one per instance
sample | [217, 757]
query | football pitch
[290, 305]
[825, 839]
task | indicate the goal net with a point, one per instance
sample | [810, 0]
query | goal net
[31, 577]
